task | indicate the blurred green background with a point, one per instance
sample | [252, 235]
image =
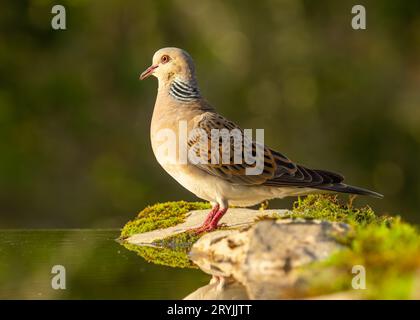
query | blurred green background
[74, 119]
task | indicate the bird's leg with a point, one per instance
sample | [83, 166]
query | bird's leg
[211, 214]
[209, 218]
[215, 220]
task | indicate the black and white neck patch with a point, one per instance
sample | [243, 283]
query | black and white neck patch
[184, 91]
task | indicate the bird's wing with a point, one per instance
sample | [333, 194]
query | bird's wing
[278, 170]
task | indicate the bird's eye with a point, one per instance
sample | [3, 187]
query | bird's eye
[164, 59]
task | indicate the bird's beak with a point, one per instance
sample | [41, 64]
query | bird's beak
[148, 72]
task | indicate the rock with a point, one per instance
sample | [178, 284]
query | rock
[264, 257]
[235, 217]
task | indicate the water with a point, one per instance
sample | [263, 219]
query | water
[97, 267]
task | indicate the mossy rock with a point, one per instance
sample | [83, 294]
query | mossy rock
[171, 251]
[387, 248]
[160, 216]
[328, 207]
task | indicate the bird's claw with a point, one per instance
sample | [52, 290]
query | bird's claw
[204, 228]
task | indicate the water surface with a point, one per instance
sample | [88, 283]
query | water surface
[97, 267]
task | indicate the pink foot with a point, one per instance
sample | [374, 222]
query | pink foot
[209, 218]
[213, 224]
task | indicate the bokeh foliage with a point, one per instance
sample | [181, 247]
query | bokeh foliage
[74, 119]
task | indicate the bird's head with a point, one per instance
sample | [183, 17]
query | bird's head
[169, 63]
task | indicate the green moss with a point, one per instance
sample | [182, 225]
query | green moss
[171, 251]
[388, 249]
[161, 215]
[162, 256]
[181, 241]
[328, 207]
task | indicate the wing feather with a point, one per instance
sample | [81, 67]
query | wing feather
[278, 169]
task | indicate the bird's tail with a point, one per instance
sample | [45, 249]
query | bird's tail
[344, 188]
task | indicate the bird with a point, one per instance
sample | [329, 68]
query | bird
[221, 182]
